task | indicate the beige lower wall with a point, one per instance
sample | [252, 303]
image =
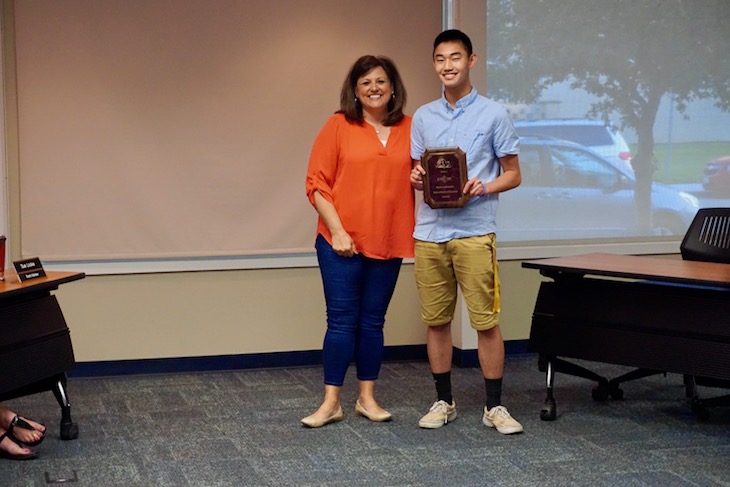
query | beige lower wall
[145, 316]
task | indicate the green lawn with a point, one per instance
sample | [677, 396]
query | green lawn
[684, 163]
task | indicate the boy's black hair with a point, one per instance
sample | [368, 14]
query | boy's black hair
[454, 35]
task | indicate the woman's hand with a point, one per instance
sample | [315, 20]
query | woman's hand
[343, 245]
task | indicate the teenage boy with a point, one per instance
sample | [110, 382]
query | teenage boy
[456, 246]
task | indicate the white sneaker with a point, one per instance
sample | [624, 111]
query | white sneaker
[498, 417]
[440, 413]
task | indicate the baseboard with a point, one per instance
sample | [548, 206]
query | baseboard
[306, 358]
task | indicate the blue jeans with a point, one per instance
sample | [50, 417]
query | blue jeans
[357, 291]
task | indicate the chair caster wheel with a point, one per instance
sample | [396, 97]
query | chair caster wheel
[547, 413]
[616, 392]
[699, 410]
[600, 392]
[69, 431]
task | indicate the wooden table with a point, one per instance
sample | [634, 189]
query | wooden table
[658, 315]
[35, 344]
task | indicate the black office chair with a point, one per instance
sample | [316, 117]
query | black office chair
[708, 236]
[707, 240]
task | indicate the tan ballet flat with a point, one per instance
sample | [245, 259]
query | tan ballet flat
[311, 422]
[378, 418]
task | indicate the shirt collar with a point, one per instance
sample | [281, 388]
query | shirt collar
[462, 102]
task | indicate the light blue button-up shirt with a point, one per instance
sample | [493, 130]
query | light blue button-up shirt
[483, 129]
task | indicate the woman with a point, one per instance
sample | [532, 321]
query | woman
[358, 181]
[16, 434]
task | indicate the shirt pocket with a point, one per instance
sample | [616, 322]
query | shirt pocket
[479, 152]
[475, 142]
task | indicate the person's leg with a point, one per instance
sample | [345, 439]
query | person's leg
[440, 351]
[491, 359]
[440, 354]
[490, 348]
[378, 285]
[436, 285]
[341, 281]
[437, 294]
[440, 348]
[476, 269]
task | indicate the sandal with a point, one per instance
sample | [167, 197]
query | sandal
[19, 456]
[21, 423]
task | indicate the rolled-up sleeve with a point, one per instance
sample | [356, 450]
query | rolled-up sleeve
[506, 140]
[417, 145]
[323, 159]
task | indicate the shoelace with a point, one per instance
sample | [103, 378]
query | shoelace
[441, 407]
[500, 411]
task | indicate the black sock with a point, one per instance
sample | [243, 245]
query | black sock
[443, 386]
[494, 392]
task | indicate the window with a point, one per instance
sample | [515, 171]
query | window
[612, 114]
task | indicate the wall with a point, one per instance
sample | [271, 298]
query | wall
[239, 312]
[159, 129]
[188, 314]
[143, 316]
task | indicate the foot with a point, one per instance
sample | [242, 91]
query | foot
[498, 417]
[373, 412]
[11, 450]
[323, 416]
[21, 429]
[440, 413]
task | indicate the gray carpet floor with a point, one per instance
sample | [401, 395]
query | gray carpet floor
[241, 428]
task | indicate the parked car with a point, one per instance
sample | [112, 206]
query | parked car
[716, 176]
[594, 134]
[571, 192]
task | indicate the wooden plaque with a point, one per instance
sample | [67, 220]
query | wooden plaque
[446, 175]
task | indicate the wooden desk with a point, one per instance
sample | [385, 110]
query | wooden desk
[35, 344]
[659, 315]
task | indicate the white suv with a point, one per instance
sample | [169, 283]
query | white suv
[594, 134]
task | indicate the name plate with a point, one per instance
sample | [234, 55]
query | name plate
[29, 269]
[446, 175]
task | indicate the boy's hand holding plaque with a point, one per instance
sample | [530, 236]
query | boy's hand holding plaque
[444, 178]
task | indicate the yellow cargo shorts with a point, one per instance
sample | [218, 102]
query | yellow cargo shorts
[470, 263]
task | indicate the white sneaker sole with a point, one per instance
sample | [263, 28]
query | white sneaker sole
[434, 426]
[504, 430]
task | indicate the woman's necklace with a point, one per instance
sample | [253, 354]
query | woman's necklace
[377, 126]
[380, 130]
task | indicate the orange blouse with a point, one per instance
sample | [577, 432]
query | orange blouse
[367, 183]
